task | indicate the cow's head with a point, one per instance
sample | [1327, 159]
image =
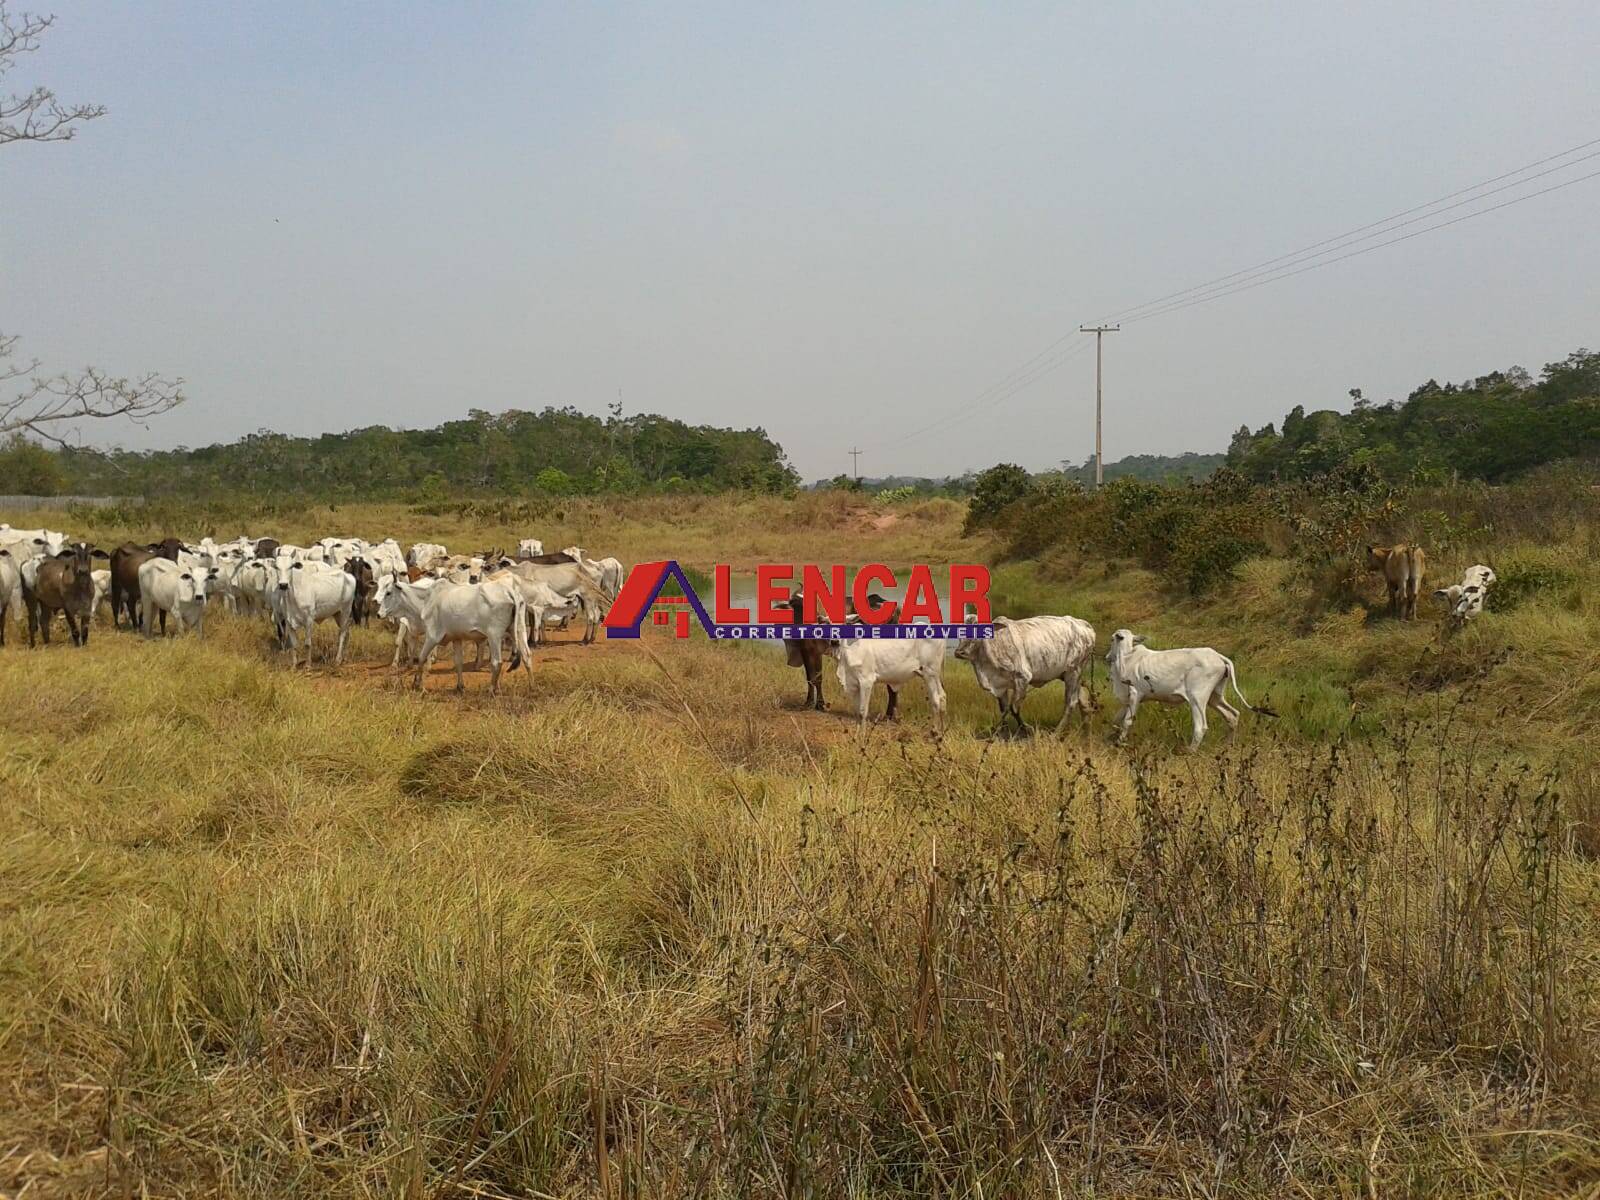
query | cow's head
[968, 648]
[286, 572]
[1122, 641]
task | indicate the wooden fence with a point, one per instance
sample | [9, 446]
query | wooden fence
[29, 503]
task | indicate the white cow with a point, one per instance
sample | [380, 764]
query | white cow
[1465, 600]
[570, 581]
[607, 572]
[404, 610]
[169, 587]
[541, 600]
[530, 548]
[250, 584]
[471, 612]
[306, 596]
[1031, 653]
[1197, 676]
[386, 557]
[423, 553]
[30, 543]
[102, 590]
[10, 590]
[864, 662]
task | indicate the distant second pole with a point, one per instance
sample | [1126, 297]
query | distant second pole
[1099, 332]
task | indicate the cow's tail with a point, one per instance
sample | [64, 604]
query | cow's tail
[594, 598]
[1233, 679]
[520, 651]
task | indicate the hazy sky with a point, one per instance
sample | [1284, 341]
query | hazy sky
[836, 221]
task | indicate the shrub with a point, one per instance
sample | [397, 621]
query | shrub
[553, 481]
[1518, 580]
[994, 491]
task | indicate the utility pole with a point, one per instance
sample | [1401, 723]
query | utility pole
[1099, 332]
[855, 463]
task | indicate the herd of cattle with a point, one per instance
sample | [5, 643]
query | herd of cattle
[431, 597]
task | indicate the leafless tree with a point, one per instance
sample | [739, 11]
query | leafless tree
[30, 400]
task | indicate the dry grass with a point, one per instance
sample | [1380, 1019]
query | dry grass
[641, 927]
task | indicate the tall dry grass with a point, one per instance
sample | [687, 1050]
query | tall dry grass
[642, 927]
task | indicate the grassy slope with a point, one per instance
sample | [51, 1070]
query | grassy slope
[272, 936]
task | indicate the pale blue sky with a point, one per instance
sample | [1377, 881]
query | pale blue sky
[837, 221]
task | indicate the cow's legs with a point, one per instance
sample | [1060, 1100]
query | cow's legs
[423, 659]
[494, 668]
[344, 640]
[1197, 711]
[1069, 700]
[460, 685]
[892, 712]
[1129, 711]
[1230, 714]
[863, 698]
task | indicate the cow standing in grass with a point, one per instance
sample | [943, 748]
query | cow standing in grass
[1402, 568]
[1031, 653]
[1197, 676]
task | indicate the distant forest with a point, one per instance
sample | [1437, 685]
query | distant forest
[1492, 428]
[559, 451]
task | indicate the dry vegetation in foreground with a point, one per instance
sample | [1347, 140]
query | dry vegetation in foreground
[643, 928]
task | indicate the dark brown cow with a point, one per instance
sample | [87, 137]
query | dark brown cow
[806, 653]
[62, 584]
[543, 559]
[267, 548]
[360, 570]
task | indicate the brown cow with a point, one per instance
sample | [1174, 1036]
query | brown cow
[126, 560]
[1402, 567]
[361, 571]
[61, 584]
[807, 653]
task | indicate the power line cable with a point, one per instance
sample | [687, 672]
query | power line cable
[1405, 237]
[1373, 225]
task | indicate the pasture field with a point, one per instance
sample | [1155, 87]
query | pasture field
[643, 927]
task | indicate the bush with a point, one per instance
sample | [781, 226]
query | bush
[1519, 580]
[995, 490]
[553, 481]
[1194, 534]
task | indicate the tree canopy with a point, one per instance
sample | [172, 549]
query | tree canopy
[1491, 428]
[559, 450]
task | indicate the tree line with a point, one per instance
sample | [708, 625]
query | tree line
[559, 451]
[1491, 428]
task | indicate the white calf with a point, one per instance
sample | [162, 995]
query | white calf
[530, 548]
[405, 610]
[1197, 677]
[864, 662]
[1465, 600]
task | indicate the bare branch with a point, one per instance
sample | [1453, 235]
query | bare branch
[44, 402]
[37, 115]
